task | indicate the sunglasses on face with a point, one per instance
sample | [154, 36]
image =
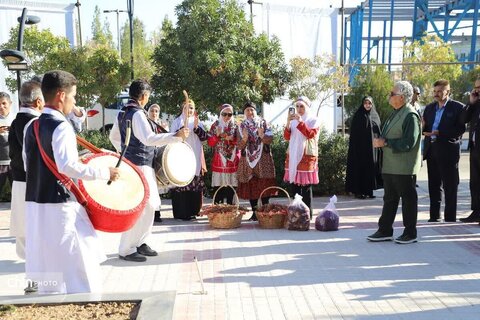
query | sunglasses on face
[299, 105]
[224, 114]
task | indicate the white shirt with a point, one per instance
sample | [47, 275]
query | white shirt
[142, 130]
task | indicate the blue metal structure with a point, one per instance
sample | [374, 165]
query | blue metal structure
[444, 17]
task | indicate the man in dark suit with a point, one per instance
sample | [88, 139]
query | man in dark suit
[443, 127]
[471, 116]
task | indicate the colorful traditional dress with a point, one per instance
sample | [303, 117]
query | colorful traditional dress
[301, 163]
[225, 154]
[256, 170]
[187, 201]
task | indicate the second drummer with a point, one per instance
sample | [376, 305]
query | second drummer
[140, 151]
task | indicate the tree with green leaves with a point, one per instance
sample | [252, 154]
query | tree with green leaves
[424, 51]
[100, 72]
[374, 81]
[37, 45]
[319, 79]
[215, 55]
[462, 86]
[142, 49]
[101, 34]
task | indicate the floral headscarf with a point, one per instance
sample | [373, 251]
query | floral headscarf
[254, 145]
[226, 150]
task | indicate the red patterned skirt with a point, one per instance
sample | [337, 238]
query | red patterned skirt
[252, 181]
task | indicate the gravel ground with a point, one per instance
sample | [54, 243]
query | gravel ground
[97, 311]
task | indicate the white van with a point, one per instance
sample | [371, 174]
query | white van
[94, 121]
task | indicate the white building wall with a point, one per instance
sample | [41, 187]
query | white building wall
[304, 31]
[59, 18]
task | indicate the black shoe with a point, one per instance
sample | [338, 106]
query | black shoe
[473, 217]
[405, 239]
[433, 220]
[379, 236]
[135, 257]
[253, 217]
[145, 250]
[157, 217]
[31, 288]
[360, 196]
[371, 196]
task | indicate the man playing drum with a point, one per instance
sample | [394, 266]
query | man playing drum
[63, 253]
[140, 152]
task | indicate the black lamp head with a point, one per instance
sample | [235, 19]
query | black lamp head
[29, 19]
[12, 56]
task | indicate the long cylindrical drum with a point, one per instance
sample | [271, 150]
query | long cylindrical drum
[175, 165]
[115, 207]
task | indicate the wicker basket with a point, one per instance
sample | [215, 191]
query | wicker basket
[229, 220]
[272, 221]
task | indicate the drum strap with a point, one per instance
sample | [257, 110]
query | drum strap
[66, 181]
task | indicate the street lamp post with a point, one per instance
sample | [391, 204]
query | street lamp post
[78, 4]
[16, 58]
[117, 11]
[130, 4]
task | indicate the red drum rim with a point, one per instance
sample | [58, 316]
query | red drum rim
[105, 210]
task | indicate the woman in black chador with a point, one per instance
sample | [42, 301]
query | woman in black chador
[364, 161]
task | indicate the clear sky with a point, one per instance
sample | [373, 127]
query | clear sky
[152, 12]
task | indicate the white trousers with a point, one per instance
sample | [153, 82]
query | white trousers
[138, 234]
[17, 216]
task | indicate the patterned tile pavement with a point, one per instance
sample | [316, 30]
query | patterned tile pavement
[250, 273]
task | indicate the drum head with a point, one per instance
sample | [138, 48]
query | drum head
[126, 193]
[179, 163]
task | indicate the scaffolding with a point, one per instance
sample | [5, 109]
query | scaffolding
[443, 16]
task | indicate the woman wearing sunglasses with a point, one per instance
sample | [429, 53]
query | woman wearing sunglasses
[256, 170]
[301, 163]
[222, 137]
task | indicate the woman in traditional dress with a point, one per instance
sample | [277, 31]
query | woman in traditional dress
[256, 170]
[301, 163]
[158, 126]
[154, 115]
[187, 201]
[223, 138]
[364, 161]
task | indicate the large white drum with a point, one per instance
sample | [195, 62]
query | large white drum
[115, 207]
[175, 165]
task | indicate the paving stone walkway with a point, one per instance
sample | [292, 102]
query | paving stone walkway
[251, 273]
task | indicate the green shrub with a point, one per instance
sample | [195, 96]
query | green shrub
[331, 166]
[98, 139]
[332, 161]
[6, 192]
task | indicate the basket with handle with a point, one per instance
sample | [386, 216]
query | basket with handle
[272, 219]
[229, 219]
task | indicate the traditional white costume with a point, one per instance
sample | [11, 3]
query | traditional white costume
[63, 253]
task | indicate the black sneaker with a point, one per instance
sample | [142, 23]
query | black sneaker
[135, 257]
[145, 250]
[405, 239]
[31, 288]
[473, 217]
[379, 236]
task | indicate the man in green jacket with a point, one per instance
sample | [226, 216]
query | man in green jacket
[400, 142]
